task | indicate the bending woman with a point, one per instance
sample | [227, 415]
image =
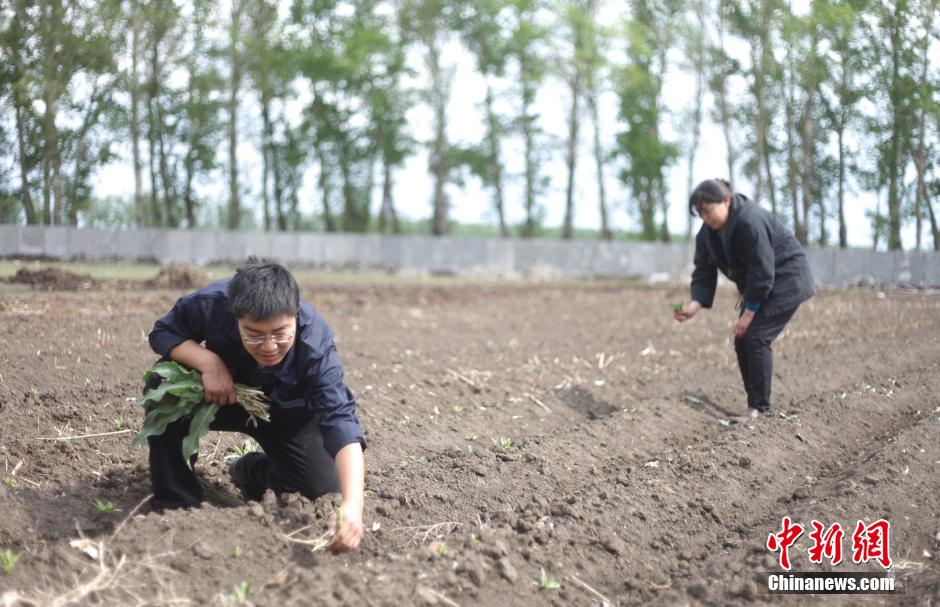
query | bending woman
[766, 262]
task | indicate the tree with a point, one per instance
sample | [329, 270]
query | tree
[526, 47]
[649, 38]
[199, 125]
[893, 76]
[695, 41]
[483, 33]
[236, 61]
[846, 91]
[757, 21]
[21, 54]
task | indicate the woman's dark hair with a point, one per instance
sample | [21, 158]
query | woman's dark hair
[262, 290]
[710, 191]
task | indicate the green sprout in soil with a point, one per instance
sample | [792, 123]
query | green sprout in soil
[119, 423]
[369, 493]
[675, 306]
[181, 395]
[505, 442]
[11, 482]
[35, 391]
[474, 540]
[237, 552]
[104, 506]
[8, 560]
[241, 592]
[545, 581]
[238, 451]
[456, 408]
[439, 549]
[87, 381]
[472, 436]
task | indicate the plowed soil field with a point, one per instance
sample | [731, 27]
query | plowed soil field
[573, 428]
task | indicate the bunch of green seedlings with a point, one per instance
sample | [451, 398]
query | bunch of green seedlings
[182, 395]
[676, 306]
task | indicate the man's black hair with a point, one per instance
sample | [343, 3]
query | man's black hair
[263, 290]
[710, 191]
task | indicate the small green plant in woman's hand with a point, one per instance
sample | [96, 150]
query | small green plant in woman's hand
[8, 560]
[676, 306]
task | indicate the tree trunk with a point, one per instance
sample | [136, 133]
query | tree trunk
[920, 154]
[234, 206]
[20, 107]
[933, 224]
[496, 168]
[571, 159]
[843, 230]
[790, 110]
[723, 107]
[265, 156]
[439, 160]
[528, 136]
[894, 158]
[388, 214]
[279, 211]
[140, 212]
[329, 219]
[807, 132]
[169, 190]
[599, 161]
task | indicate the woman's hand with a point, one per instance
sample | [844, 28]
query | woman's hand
[740, 327]
[687, 311]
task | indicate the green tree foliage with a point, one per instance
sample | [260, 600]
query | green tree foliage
[821, 106]
[645, 152]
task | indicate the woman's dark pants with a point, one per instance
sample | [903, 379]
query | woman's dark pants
[755, 357]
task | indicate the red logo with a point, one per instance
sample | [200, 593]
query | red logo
[781, 542]
[828, 544]
[871, 543]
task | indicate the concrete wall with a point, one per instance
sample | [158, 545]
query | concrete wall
[536, 258]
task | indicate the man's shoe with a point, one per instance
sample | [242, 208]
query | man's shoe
[238, 470]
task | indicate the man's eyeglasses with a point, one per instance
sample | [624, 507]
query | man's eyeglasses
[257, 340]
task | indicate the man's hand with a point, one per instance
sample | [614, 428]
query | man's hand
[740, 327]
[347, 527]
[350, 467]
[217, 382]
[219, 385]
[687, 311]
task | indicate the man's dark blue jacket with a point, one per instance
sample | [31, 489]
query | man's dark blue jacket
[309, 380]
[759, 254]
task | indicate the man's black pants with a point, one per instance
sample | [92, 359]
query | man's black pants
[295, 460]
[755, 357]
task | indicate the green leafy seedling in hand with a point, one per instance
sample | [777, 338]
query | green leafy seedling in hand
[675, 306]
[545, 581]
